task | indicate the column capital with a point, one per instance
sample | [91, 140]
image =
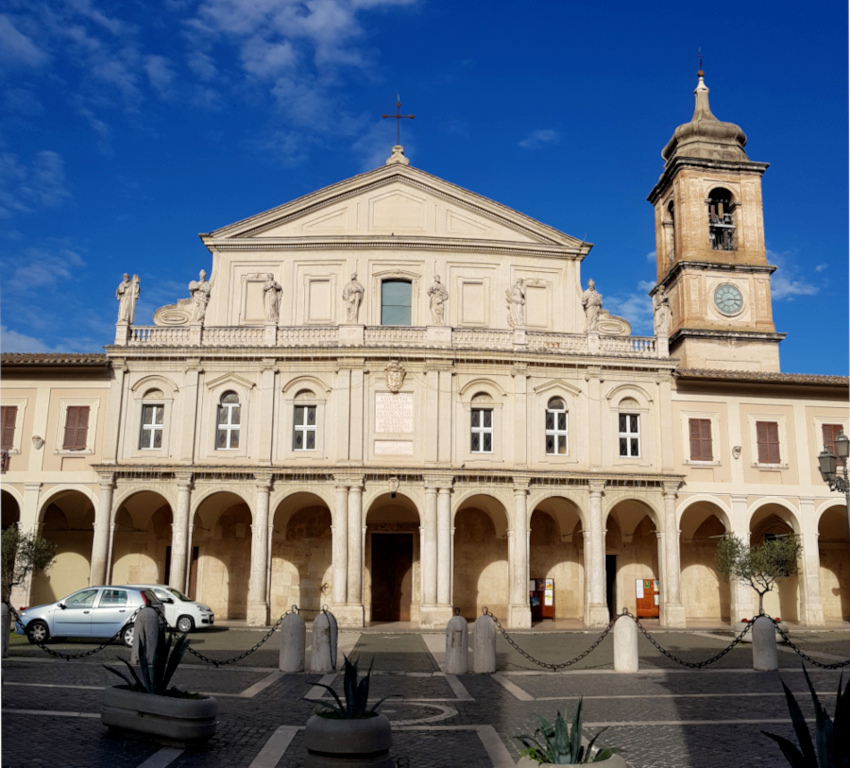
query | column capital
[671, 488]
[30, 487]
[438, 480]
[263, 480]
[738, 498]
[349, 480]
[596, 487]
[183, 478]
[104, 478]
[521, 484]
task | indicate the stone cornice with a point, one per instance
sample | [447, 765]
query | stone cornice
[711, 266]
[724, 166]
[726, 334]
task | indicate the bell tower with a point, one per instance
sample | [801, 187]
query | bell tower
[710, 252]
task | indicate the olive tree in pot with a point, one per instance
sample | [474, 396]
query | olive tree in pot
[145, 706]
[560, 743]
[349, 730]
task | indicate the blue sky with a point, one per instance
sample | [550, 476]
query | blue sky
[127, 127]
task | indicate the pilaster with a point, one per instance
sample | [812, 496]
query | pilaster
[102, 524]
[809, 580]
[673, 614]
[180, 532]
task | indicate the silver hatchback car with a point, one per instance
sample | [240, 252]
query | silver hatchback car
[91, 612]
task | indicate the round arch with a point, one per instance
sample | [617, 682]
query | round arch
[141, 538]
[62, 490]
[781, 508]
[834, 562]
[722, 510]
[10, 507]
[773, 516]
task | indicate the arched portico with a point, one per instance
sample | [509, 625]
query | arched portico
[219, 574]
[67, 519]
[768, 520]
[556, 545]
[633, 576]
[10, 508]
[834, 571]
[300, 555]
[392, 575]
[705, 596]
[141, 540]
[481, 557]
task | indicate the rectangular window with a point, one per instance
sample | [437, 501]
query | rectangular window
[700, 432]
[151, 437]
[76, 428]
[304, 428]
[629, 434]
[8, 416]
[767, 434]
[395, 302]
[482, 430]
[830, 432]
[556, 432]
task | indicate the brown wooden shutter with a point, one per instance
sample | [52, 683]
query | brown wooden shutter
[8, 416]
[767, 433]
[76, 428]
[830, 432]
[700, 430]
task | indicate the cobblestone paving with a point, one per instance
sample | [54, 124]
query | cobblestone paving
[664, 716]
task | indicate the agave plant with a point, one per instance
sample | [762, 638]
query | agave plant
[560, 743]
[155, 677]
[356, 695]
[832, 748]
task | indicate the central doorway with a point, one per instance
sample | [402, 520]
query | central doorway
[392, 576]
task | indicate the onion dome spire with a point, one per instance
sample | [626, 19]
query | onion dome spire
[705, 136]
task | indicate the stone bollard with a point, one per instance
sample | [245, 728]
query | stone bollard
[293, 633]
[626, 645]
[484, 646]
[321, 659]
[5, 627]
[765, 658]
[334, 634]
[457, 645]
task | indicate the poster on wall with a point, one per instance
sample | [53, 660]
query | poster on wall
[639, 588]
[549, 597]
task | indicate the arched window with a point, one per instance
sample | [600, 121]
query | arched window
[629, 428]
[670, 232]
[229, 420]
[557, 436]
[395, 302]
[153, 412]
[721, 220]
[481, 424]
[304, 424]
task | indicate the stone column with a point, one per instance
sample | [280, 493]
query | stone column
[596, 611]
[258, 601]
[444, 548]
[429, 550]
[180, 532]
[809, 572]
[340, 547]
[674, 611]
[22, 594]
[102, 522]
[743, 604]
[519, 613]
[355, 552]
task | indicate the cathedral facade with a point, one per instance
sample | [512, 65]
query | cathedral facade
[395, 397]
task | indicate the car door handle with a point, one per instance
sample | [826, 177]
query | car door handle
[121, 610]
[86, 611]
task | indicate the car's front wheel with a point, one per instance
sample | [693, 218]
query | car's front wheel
[185, 624]
[37, 632]
[127, 635]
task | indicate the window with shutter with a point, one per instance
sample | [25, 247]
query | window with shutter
[830, 432]
[700, 431]
[76, 428]
[767, 434]
[8, 416]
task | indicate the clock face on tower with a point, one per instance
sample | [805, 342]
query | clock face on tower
[728, 299]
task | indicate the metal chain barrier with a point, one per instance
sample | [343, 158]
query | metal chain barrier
[84, 654]
[546, 664]
[801, 654]
[221, 663]
[689, 664]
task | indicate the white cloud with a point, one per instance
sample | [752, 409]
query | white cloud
[17, 48]
[651, 257]
[34, 269]
[12, 341]
[159, 74]
[636, 307]
[786, 283]
[540, 138]
[23, 188]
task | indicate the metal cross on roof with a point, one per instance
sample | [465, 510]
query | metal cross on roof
[398, 116]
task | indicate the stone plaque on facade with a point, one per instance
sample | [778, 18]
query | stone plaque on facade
[393, 448]
[394, 412]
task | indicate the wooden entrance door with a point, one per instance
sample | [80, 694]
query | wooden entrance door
[392, 576]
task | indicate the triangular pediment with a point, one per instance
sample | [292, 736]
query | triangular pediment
[394, 201]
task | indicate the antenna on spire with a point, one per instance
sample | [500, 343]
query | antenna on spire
[699, 56]
[398, 116]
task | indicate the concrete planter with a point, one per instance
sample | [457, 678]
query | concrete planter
[748, 638]
[173, 722]
[334, 743]
[615, 761]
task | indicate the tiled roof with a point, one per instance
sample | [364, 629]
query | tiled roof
[767, 377]
[52, 358]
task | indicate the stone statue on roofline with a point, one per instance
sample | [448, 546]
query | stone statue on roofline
[127, 294]
[591, 300]
[200, 292]
[439, 296]
[516, 304]
[663, 312]
[271, 298]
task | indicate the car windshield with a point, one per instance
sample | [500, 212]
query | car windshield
[179, 595]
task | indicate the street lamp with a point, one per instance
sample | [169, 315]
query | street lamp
[829, 466]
